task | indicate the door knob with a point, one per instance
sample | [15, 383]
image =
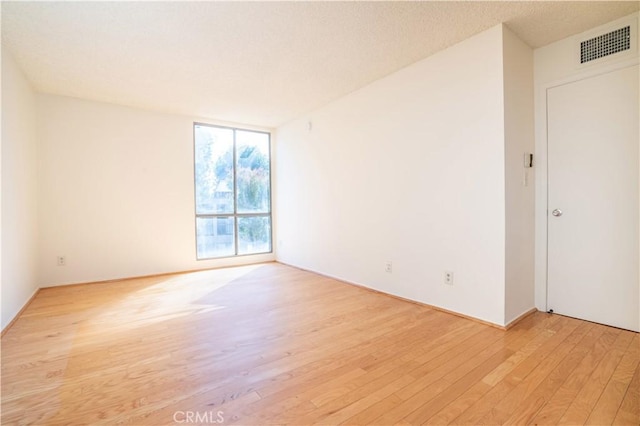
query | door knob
[557, 212]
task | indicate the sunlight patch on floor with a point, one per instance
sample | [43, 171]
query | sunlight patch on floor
[161, 302]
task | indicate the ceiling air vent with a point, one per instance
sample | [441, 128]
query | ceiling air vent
[605, 44]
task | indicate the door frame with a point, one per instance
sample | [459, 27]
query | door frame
[541, 165]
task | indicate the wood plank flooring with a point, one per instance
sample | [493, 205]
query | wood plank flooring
[270, 344]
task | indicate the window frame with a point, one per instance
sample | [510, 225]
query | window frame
[235, 215]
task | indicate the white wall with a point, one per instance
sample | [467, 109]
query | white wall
[19, 191]
[116, 192]
[520, 194]
[410, 169]
[554, 65]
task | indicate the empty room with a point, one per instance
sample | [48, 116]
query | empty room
[358, 212]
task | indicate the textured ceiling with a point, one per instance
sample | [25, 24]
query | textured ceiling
[260, 63]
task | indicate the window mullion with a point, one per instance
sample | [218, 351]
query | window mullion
[235, 193]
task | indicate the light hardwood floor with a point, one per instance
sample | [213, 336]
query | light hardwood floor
[271, 344]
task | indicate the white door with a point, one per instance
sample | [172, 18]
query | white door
[593, 199]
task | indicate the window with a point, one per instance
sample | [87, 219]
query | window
[232, 191]
[225, 227]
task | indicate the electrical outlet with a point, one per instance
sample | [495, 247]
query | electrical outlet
[448, 277]
[388, 266]
[62, 261]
